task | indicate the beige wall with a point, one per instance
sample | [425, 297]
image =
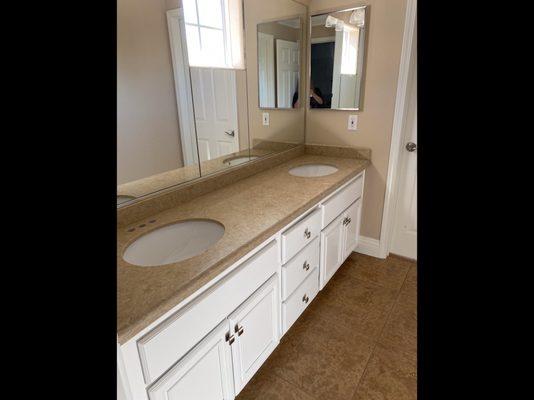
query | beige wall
[285, 125]
[280, 31]
[148, 135]
[375, 120]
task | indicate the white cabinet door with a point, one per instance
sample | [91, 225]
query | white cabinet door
[255, 327]
[205, 373]
[332, 238]
[352, 227]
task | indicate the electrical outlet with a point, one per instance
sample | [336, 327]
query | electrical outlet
[266, 119]
[353, 122]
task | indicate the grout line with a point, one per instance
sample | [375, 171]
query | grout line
[395, 303]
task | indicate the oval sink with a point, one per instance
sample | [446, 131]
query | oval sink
[173, 243]
[313, 170]
[239, 160]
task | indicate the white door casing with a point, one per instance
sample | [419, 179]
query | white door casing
[266, 85]
[287, 72]
[404, 238]
[397, 146]
[215, 102]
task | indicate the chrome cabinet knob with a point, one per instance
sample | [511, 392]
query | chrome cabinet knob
[307, 233]
[411, 146]
[305, 299]
[239, 330]
[230, 133]
[306, 265]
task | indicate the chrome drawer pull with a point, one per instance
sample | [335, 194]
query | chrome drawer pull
[305, 299]
[306, 266]
[307, 233]
[230, 339]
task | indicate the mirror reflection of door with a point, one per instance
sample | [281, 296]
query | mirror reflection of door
[287, 72]
[214, 97]
[214, 100]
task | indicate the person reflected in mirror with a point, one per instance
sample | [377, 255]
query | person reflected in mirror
[316, 97]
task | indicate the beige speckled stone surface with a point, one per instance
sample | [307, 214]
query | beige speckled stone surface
[171, 197]
[251, 209]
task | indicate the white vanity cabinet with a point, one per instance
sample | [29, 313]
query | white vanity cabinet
[222, 363]
[255, 327]
[212, 344]
[338, 240]
[204, 373]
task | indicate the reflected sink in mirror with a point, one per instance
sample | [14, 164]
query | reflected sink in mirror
[239, 160]
[313, 170]
[172, 243]
[123, 199]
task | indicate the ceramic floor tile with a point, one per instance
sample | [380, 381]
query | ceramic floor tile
[400, 332]
[390, 272]
[388, 376]
[360, 306]
[326, 365]
[356, 340]
[267, 386]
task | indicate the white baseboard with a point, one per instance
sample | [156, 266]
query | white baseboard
[368, 246]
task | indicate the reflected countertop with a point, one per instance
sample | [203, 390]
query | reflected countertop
[251, 210]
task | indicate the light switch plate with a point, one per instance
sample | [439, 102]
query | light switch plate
[353, 122]
[266, 119]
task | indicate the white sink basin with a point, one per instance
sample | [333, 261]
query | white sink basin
[313, 170]
[239, 160]
[173, 243]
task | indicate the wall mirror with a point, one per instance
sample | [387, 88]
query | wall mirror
[337, 55]
[279, 63]
[186, 101]
[284, 128]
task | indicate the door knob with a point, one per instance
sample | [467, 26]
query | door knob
[411, 146]
[230, 133]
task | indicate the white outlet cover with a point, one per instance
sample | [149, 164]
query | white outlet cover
[266, 119]
[352, 123]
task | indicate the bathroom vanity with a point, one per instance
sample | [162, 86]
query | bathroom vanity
[200, 328]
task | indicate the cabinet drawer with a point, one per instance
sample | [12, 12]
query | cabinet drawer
[296, 304]
[173, 338]
[340, 201]
[300, 234]
[299, 267]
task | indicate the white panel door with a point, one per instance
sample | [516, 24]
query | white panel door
[215, 102]
[204, 373]
[266, 70]
[255, 326]
[331, 249]
[287, 72]
[404, 239]
[352, 227]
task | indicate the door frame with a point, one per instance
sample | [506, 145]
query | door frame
[388, 215]
[182, 81]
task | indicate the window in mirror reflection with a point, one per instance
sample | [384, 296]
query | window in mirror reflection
[214, 33]
[337, 46]
[279, 63]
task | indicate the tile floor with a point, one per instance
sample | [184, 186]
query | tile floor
[357, 340]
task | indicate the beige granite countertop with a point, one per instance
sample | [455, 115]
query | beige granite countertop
[251, 210]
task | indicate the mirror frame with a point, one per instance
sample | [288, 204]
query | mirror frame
[367, 8]
[303, 58]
